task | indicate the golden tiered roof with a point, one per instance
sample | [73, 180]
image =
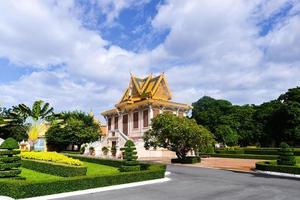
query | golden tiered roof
[147, 88]
[152, 90]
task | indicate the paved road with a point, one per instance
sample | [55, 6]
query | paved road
[189, 183]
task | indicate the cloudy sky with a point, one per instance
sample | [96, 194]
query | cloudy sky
[78, 54]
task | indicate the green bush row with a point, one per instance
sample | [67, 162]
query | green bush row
[4, 166]
[9, 173]
[9, 152]
[54, 168]
[10, 159]
[71, 152]
[110, 162]
[230, 151]
[272, 166]
[187, 160]
[129, 168]
[257, 151]
[245, 156]
[25, 189]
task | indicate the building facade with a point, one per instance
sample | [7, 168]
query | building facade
[144, 99]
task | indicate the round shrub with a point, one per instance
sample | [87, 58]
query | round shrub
[9, 143]
[286, 155]
[9, 160]
[130, 157]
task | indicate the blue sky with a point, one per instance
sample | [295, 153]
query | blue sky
[78, 54]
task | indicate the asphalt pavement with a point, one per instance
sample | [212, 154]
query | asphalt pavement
[191, 183]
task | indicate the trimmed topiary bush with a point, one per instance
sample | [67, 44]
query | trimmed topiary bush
[57, 169]
[286, 155]
[9, 160]
[130, 157]
[9, 143]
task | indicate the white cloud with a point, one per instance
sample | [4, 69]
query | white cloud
[213, 48]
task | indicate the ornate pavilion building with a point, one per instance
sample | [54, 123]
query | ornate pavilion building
[144, 99]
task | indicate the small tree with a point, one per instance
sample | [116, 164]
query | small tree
[78, 128]
[286, 155]
[9, 160]
[177, 134]
[105, 150]
[130, 157]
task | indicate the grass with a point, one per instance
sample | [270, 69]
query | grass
[92, 169]
[31, 175]
[97, 169]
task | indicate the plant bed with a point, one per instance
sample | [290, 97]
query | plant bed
[56, 169]
[187, 160]
[274, 167]
[38, 187]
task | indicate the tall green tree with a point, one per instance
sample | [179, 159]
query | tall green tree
[78, 128]
[180, 135]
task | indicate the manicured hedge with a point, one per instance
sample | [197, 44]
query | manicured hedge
[54, 168]
[264, 151]
[187, 160]
[230, 151]
[110, 162]
[130, 168]
[245, 156]
[24, 189]
[272, 166]
[10, 173]
[9, 152]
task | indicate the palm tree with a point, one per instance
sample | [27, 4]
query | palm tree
[5, 122]
[39, 110]
[38, 114]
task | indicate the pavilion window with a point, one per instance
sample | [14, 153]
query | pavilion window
[136, 120]
[145, 118]
[109, 123]
[116, 122]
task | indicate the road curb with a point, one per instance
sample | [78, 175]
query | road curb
[96, 190]
[278, 174]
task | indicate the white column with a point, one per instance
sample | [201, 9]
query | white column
[150, 112]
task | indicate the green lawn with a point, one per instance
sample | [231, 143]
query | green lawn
[97, 169]
[31, 175]
[92, 169]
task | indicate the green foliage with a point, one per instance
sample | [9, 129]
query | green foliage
[9, 161]
[187, 160]
[267, 124]
[78, 128]
[130, 168]
[129, 151]
[180, 135]
[206, 149]
[12, 125]
[39, 110]
[105, 150]
[130, 157]
[24, 189]
[54, 168]
[9, 143]
[101, 161]
[286, 155]
[227, 135]
[230, 151]
[272, 166]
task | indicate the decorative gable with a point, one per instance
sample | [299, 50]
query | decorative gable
[147, 88]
